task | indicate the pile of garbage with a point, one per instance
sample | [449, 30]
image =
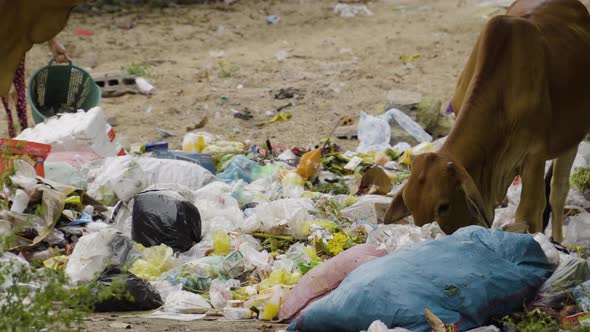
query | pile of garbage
[270, 232]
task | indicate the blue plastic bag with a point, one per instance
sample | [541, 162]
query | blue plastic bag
[240, 168]
[466, 278]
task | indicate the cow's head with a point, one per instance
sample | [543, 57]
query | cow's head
[439, 190]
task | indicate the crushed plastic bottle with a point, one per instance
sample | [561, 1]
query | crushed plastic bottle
[407, 124]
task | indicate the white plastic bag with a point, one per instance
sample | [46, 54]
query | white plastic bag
[219, 293]
[374, 134]
[548, 248]
[91, 255]
[186, 303]
[218, 210]
[577, 231]
[127, 175]
[80, 131]
[283, 216]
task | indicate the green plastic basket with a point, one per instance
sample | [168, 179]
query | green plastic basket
[58, 89]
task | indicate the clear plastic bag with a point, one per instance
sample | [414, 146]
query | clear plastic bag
[571, 272]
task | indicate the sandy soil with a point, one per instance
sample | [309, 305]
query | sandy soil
[341, 65]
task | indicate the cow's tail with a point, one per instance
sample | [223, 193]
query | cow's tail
[547, 211]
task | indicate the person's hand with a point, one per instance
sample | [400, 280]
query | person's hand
[58, 51]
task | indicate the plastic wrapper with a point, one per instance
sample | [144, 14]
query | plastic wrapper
[186, 303]
[261, 260]
[139, 294]
[165, 217]
[571, 272]
[155, 261]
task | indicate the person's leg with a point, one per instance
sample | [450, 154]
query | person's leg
[11, 132]
[21, 103]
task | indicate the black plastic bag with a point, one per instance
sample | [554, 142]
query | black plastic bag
[138, 294]
[164, 216]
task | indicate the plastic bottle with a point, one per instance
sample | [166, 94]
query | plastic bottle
[408, 125]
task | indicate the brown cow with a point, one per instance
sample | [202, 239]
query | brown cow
[522, 99]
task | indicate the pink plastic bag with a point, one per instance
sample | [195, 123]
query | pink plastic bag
[75, 158]
[326, 277]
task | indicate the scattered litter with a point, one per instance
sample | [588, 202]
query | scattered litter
[276, 118]
[144, 86]
[83, 32]
[272, 19]
[118, 325]
[346, 10]
[287, 93]
[164, 134]
[281, 55]
[263, 230]
[244, 114]
[216, 54]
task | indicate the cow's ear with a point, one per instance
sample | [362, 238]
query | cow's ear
[473, 197]
[397, 210]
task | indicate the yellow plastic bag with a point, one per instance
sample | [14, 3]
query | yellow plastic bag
[156, 260]
[221, 243]
[279, 277]
[310, 164]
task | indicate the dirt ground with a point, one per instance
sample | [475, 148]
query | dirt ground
[101, 322]
[341, 65]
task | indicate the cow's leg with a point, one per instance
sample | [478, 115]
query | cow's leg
[532, 197]
[560, 185]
